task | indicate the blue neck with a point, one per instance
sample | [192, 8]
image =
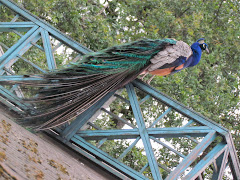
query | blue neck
[197, 52]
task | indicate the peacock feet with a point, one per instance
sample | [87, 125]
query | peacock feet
[144, 75]
[150, 79]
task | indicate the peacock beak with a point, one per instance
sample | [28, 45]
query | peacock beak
[207, 50]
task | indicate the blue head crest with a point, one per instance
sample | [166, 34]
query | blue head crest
[203, 45]
[201, 39]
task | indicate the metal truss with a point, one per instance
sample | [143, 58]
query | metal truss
[198, 149]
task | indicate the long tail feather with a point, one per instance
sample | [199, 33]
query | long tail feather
[69, 92]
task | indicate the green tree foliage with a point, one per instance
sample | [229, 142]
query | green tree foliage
[211, 88]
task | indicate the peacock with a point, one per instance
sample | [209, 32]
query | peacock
[68, 92]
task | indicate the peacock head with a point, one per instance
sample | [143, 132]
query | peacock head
[203, 45]
[197, 49]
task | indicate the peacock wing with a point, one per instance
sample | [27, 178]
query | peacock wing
[169, 55]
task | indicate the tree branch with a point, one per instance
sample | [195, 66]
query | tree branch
[217, 12]
[183, 12]
[105, 7]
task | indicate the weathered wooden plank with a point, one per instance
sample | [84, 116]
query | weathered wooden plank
[28, 156]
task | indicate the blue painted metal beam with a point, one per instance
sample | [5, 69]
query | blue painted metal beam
[32, 64]
[134, 133]
[164, 167]
[101, 162]
[57, 46]
[179, 107]
[11, 106]
[53, 31]
[12, 49]
[189, 123]
[18, 26]
[118, 118]
[234, 161]
[160, 117]
[144, 167]
[106, 158]
[21, 35]
[207, 160]
[191, 157]
[29, 62]
[17, 102]
[75, 126]
[122, 98]
[220, 165]
[101, 142]
[16, 78]
[167, 146]
[22, 47]
[144, 99]
[129, 148]
[48, 50]
[15, 18]
[143, 132]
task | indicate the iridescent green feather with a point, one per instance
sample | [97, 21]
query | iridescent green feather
[131, 56]
[72, 90]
